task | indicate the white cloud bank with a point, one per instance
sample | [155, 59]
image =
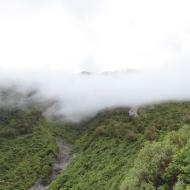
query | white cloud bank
[84, 95]
[41, 42]
[116, 34]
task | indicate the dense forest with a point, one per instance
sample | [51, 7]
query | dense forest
[114, 150]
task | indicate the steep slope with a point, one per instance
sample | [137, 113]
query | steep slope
[114, 150]
[28, 145]
[117, 151]
[27, 148]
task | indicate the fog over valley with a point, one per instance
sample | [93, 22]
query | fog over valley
[83, 94]
[91, 55]
[94, 95]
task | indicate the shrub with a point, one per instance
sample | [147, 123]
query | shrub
[149, 167]
[131, 136]
[100, 131]
[151, 133]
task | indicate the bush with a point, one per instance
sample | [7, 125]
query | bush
[149, 167]
[101, 131]
[131, 136]
[151, 133]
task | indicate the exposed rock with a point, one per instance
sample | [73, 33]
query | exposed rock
[60, 164]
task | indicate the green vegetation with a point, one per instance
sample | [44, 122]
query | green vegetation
[116, 151]
[156, 166]
[111, 151]
[27, 139]
[26, 146]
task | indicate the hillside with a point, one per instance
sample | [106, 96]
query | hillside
[111, 151]
[121, 152]
[26, 148]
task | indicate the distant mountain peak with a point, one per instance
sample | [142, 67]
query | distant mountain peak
[109, 73]
[116, 72]
[86, 73]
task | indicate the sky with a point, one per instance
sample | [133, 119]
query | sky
[45, 44]
[93, 35]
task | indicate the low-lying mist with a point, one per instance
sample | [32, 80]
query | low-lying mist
[83, 94]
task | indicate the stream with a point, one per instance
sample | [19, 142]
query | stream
[60, 164]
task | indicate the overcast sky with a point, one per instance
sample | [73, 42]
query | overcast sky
[43, 42]
[96, 35]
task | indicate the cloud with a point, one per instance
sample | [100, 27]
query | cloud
[43, 42]
[62, 34]
[48, 37]
[83, 95]
[84, 8]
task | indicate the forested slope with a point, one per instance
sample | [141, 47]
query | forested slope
[117, 151]
[114, 150]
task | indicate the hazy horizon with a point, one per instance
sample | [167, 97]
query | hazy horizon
[46, 44]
